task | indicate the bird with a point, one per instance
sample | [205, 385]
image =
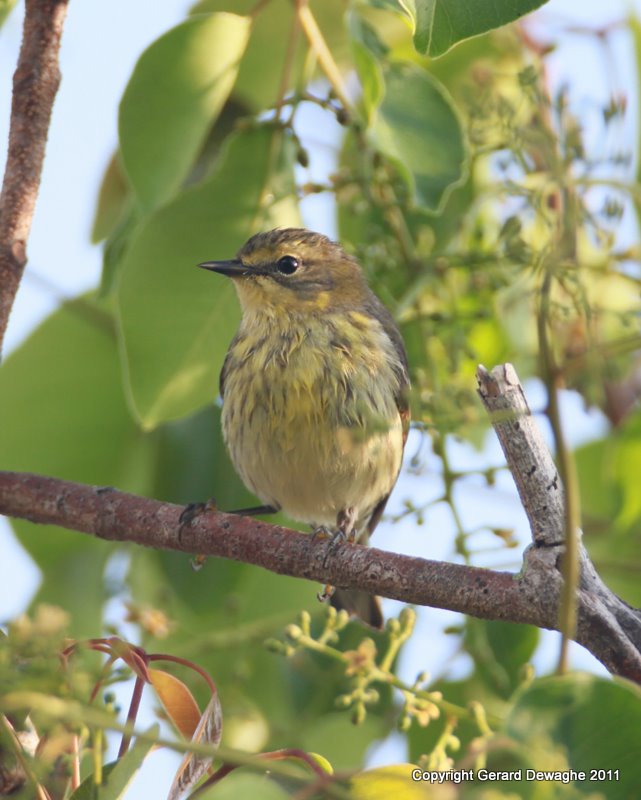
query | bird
[315, 390]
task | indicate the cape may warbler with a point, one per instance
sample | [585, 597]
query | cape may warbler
[315, 410]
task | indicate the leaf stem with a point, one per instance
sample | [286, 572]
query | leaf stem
[319, 46]
[567, 471]
[288, 63]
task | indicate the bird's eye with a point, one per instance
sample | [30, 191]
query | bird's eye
[287, 265]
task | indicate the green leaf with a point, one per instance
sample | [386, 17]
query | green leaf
[500, 650]
[418, 128]
[343, 744]
[262, 67]
[113, 198]
[117, 216]
[118, 775]
[367, 49]
[387, 5]
[440, 24]
[629, 464]
[610, 501]
[176, 321]
[192, 463]
[240, 784]
[177, 89]
[596, 722]
[6, 6]
[607, 472]
[382, 783]
[63, 413]
[115, 248]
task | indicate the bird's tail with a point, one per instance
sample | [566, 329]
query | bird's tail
[361, 604]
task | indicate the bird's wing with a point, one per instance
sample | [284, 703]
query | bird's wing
[404, 412]
[377, 309]
[225, 369]
[402, 396]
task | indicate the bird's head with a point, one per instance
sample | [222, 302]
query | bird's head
[293, 269]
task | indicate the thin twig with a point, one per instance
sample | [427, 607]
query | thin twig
[72, 711]
[323, 53]
[290, 52]
[567, 471]
[562, 203]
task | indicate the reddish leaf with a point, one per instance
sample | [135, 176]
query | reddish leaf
[177, 701]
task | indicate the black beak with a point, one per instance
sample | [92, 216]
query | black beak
[233, 268]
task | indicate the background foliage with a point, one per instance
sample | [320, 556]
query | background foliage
[487, 226]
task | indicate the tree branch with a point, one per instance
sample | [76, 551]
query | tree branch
[117, 516]
[35, 84]
[607, 626]
[528, 458]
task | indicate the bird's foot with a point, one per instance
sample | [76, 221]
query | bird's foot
[335, 540]
[344, 533]
[189, 513]
[321, 532]
[326, 595]
[194, 510]
[347, 524]
[198, 562]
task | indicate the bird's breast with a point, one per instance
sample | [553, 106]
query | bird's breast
[310, 415]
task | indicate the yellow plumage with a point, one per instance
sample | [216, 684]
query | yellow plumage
[315, 429]
[315, 383]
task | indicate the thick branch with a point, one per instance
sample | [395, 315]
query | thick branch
[607, 625]
[116, 516]
[35, 84]
[528, 458]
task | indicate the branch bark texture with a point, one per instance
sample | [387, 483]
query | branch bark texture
[606, 625]
[35, 84]
[117, 516]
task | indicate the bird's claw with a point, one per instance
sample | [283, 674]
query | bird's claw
[326, 595]
[193, 510]
[189, 513]
[337, 538]
[198, 562]
[321, 532]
